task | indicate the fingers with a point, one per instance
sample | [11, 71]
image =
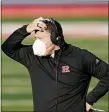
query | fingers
[37, 24]
[41, 25]
[39, 19]
[88, 107]
[32, 27]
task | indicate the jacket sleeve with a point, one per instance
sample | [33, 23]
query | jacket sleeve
[100, 70]
[13, 48]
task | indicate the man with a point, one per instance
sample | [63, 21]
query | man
[60, 73]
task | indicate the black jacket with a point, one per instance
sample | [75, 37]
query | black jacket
[59, 83]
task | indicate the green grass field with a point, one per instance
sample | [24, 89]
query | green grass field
[16, 85]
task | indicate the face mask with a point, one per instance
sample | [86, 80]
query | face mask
[39, 48]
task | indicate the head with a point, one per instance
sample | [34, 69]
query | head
[46, 39]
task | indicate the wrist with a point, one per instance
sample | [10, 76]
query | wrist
[23, 30]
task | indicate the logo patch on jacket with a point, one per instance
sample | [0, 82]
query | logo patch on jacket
[65, 69]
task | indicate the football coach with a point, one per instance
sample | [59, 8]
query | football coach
[60, 73]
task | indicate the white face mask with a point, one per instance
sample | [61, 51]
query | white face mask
[39, 48]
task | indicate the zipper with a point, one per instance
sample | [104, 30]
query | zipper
[57, 66]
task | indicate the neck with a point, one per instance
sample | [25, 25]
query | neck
[56, 48]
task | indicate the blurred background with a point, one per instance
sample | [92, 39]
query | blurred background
[85, 24]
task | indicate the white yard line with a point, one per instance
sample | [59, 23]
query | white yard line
[17, 102]
[69, 28]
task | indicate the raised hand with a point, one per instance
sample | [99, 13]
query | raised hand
[37, 24]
